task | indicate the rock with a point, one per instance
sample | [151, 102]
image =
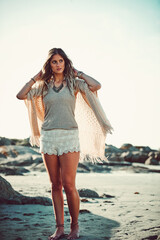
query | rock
[151, 154]
[82, 211]
[87, 193]
[152, 237]
[81, 170]
[119, 164]
[112, 149]
[4, 141]
[97, 167]
[126, 156]
[9, 196]
[151, 161]
[100, 168]
[11, 170]
[21, 142]
[129, 153]
[84, 200]
[19, 161]
[83, 167]
[107, 196]
[136, 169]
[2, 156]
[136, 156]
[155, 155]
[113, 157]
[6, 152]
[6, 190]
[37, 159]
[15, 151]
[38, 167]
[144, 149]
[126, 146]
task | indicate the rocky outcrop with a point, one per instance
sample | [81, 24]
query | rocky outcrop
[20, 142]
[19, 158]
[9, 196]
[11, 170]
[132, 154]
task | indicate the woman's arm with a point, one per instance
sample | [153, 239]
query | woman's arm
[27, 87]
[93, 84]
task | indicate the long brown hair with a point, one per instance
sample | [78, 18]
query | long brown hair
[68, 71]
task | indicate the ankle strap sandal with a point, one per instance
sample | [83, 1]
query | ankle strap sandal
[59, 225]
[74, 224]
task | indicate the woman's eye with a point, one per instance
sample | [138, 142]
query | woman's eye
[54, 62]
[61, 60]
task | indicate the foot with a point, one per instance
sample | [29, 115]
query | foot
[74, 233]
[59, 233]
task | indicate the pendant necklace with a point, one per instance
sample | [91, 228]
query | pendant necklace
[57, 89]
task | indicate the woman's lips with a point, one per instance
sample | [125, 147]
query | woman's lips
[58, 69]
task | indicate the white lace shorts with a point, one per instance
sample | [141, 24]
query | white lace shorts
[59, 141]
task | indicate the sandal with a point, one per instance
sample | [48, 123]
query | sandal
[57, 237]
[77, 234]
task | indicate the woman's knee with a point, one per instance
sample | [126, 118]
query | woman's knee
[69, 188]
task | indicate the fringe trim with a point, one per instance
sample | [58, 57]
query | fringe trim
[88, 158]
[34, 141]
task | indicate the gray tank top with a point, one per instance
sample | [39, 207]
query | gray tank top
[59, 110]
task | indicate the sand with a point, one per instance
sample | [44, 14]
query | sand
[133, 213]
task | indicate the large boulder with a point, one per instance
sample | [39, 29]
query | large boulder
[83, 192]
[9, 196]
[134, 156]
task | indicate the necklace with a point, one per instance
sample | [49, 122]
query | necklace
[57, 89]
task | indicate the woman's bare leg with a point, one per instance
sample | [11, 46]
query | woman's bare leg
[69, 163]
[53, 168]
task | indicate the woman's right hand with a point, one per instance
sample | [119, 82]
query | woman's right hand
[37, 77]
[27, 87]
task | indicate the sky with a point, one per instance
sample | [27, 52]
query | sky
[117, 42]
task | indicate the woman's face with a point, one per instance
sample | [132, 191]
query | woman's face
[57, 64]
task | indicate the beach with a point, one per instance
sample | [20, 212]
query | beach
[128, 207]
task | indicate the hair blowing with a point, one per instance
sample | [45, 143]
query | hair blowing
[68, 71]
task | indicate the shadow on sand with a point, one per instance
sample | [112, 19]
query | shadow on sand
[26, 222]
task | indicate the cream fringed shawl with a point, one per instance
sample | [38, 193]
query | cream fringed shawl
[92, 122]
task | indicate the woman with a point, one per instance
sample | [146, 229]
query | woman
[55, 90]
